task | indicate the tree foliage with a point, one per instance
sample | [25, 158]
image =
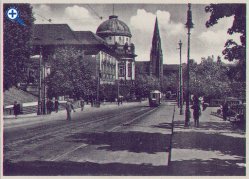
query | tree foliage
[16, 45]
[233, 50]
[71, 74]
[211, 79]
[170, 83]
[144, 84]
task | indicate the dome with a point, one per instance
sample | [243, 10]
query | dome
[113, 26]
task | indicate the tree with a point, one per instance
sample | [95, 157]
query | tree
[233, 51]
[17, 48]
[144, 84]
[209, 79]
[170, 83]
[71, 74]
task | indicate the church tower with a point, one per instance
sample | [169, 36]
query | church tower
[156, 56]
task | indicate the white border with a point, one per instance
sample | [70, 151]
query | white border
[110, 2]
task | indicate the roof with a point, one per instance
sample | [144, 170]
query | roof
[53, 34]
[113, 26]
[170, 67]
[62, 34]
[89, 38]
[93, 51]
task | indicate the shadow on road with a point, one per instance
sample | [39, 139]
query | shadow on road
[130, 141]
[164, 125]
[215, 148]
[214, 167]
[138, 142]
[46, 168]
[226, 144]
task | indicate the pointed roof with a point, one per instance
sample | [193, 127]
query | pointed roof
[156, 35]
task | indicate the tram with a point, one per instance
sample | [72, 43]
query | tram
[155, 98]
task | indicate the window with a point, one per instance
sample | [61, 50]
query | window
[129, 69]
[121, 70]
[120, 40]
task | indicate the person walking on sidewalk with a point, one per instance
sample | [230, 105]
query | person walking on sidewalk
[16, 109]
[196, 110]
[82, 103]
[225, 110]
[56, 105]
[49, 106]
[69, 108]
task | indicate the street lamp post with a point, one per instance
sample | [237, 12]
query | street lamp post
[44, 88]
[98, 75]
[188, 25]
[39, 111]
[180, 78]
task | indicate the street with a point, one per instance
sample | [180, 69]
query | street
[131, 139]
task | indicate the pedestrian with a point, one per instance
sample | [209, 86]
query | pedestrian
[225, 110]
[16, 108]
[196, 110]
[92, 101]
[121, 100]
[118, 101]
[49, 106]
[69, 108]
[82, 104]
[56, 105]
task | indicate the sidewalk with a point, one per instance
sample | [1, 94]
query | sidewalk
[215, 148]
[31, 118]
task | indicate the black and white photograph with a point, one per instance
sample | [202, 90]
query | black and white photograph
[123, 89]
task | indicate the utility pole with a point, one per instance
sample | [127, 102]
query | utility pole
[180, 78]
[188, 25]
[39, 85]
[98, 74]
[44, 88]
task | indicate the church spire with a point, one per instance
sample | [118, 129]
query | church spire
[156, 35]
[156, 56]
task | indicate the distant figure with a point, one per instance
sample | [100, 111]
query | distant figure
[56, 105]
[92, 101]
[118, 101]
[196, 110]
[69, 108]
[225, 110]
[121, 100]
[82, 104]
[16, 109]
[49, 106]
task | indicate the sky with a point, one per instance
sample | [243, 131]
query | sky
[140, 18]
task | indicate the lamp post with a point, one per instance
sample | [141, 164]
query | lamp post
[98, 75]
[180, 77]
[188, 25]
[117, 82]
[39, 111]
[44, 88]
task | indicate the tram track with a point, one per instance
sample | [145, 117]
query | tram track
[81, 146]
[56, 131]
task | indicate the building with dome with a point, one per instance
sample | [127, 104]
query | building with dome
[118, 36]
[111, 47]
[110, 50]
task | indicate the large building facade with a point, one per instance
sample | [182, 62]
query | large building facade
[118, 36]
[111, 47]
